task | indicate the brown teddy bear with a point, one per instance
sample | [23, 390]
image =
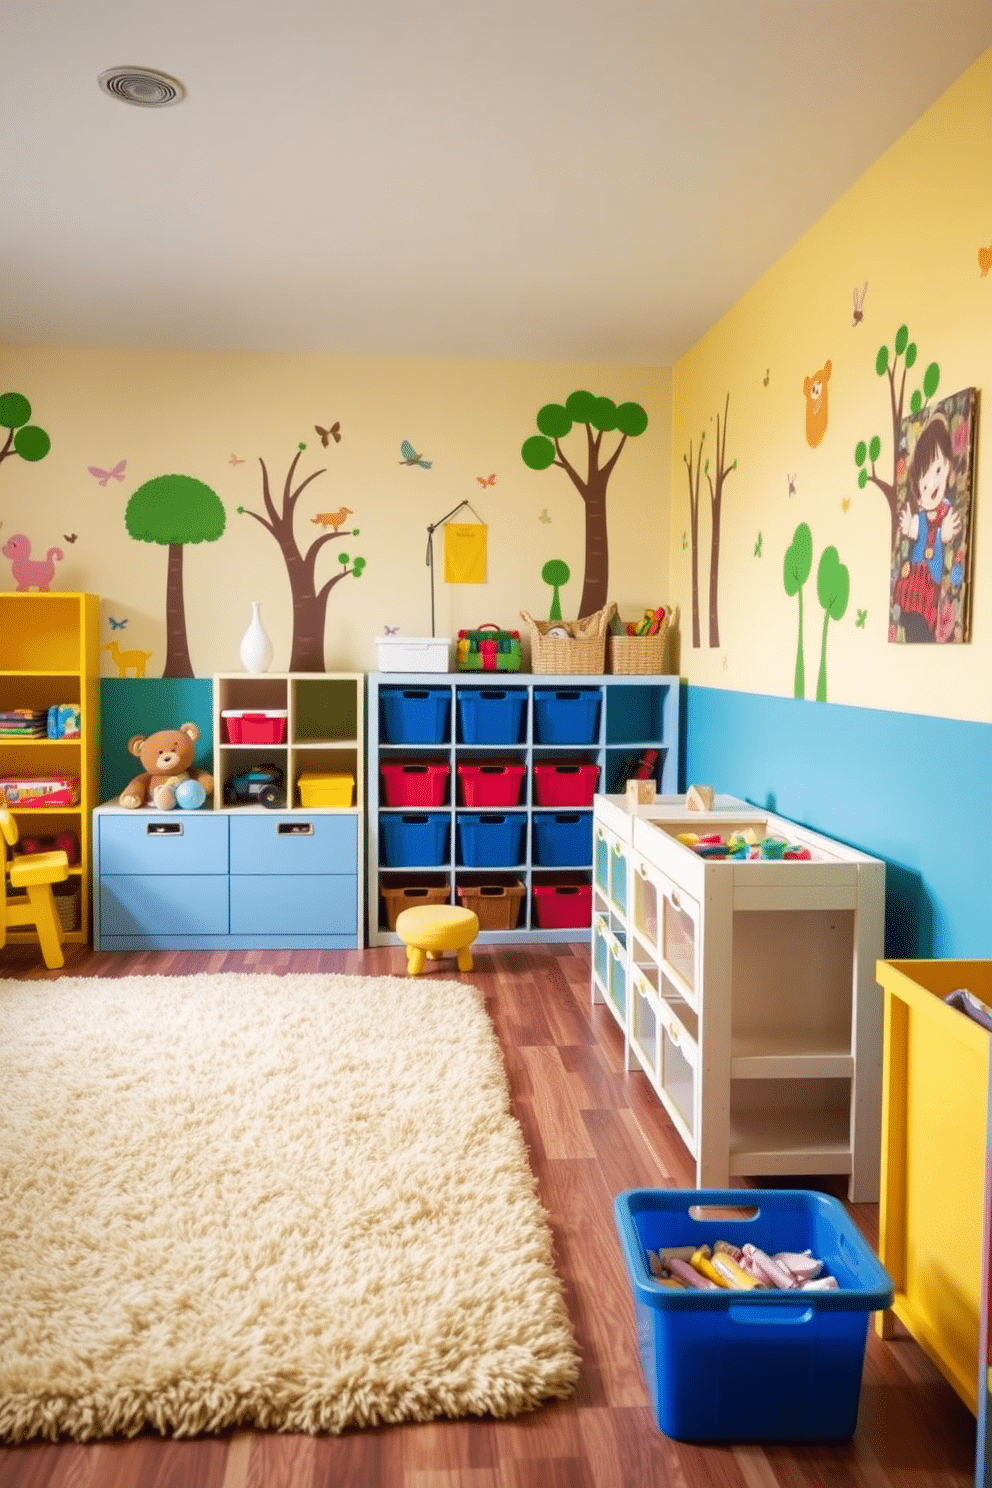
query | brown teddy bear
[168, 780]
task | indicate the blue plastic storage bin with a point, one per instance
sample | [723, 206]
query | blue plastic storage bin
[415, 715]
[414, 839]
[492, 715]
[562, 839]
[735, 1366]
[566, 715]
[491, 839]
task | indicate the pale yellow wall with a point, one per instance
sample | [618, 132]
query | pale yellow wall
[189, 412]
[912, 227]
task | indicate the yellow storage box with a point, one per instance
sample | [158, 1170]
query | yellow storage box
[326, 789]
[935, 1076]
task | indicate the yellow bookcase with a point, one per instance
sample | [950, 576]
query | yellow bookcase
[935, 1079]
[49, 655]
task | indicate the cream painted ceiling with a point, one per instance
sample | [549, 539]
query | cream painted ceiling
[534, 179]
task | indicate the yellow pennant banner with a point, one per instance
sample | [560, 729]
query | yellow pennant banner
[465, 553]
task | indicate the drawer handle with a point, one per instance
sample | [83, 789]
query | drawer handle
[675, 899]
[164, 829]
[600, 834]
[673, 1033]
[618, 849]
[294, 829]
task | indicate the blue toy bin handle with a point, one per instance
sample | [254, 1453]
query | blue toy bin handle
[771, 1317]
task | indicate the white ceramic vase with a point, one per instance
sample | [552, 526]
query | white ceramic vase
[256, 648]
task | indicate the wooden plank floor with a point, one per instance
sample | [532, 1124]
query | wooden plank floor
[592, 1131]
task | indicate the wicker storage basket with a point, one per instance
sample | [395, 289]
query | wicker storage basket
[582, 651]
[627, 655]
[67, 897]
[406, 896]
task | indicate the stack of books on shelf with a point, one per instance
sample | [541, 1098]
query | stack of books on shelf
[24, 723]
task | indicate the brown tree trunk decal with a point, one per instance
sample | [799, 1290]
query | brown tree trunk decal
[694, 475]
[309, 602]
[177, 662]
[715, 483]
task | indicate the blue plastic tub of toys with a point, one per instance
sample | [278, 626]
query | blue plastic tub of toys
[749, 1366]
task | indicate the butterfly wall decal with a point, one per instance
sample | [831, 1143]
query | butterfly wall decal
[116, 624]
[768, 373]
[486, 480]
[792, 484]
[235, 460]
[858, 314]
[392, 629]
[334, 432]
[862, 617]
[544, 515]
[845, 502]
[757, 546]
[411, 457]
[103, 476]
[70, 536]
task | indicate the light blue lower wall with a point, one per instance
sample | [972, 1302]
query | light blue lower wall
[909, 788]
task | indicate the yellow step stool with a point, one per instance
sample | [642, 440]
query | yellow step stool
[432, 929]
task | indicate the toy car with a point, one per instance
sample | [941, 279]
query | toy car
[264, 785]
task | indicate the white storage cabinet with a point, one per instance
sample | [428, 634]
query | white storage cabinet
[745, 990]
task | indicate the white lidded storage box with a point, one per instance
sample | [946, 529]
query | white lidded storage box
[413, 653]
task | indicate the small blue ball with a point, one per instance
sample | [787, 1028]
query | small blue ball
[190, 794]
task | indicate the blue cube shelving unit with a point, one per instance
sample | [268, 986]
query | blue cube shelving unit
[609, 722]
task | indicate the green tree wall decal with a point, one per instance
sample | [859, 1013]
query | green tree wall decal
[175, 510]
[833, 588]
[867, 452]
[599, 416]
[309, 602]
[795, 572]
[557, 573]
[23, 439]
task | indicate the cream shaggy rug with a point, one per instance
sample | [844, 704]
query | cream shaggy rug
[291, 1202]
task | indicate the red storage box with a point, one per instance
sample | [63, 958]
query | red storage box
[563, 906]
[565, 783]
[492, 783]
[415, 782]
[257, 727]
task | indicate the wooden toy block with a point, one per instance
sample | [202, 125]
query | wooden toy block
[640, 792]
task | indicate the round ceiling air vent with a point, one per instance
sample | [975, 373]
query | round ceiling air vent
[142, 85]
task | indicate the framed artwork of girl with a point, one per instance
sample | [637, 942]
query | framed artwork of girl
[930, 598]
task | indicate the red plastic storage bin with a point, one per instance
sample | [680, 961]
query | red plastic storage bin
[268, 727]
[492, 783]
[565, 783]
[415, 782]
[563, 906]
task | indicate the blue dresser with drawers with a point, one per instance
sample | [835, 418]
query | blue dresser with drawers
[236, 879]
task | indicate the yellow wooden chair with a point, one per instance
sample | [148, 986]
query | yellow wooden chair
[31, 902]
